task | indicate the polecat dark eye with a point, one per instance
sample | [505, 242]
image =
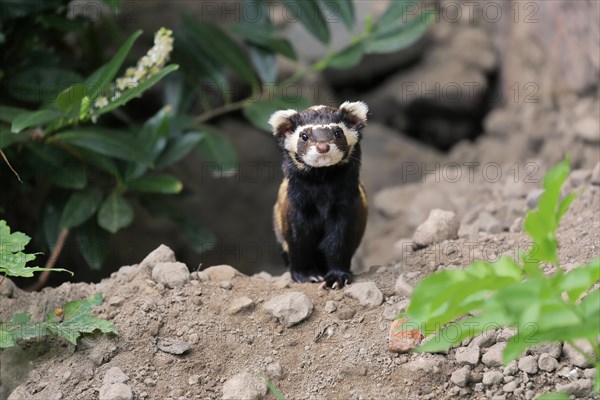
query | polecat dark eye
[338, 133]
[304, 136]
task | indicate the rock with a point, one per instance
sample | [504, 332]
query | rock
[467, 355]
[511, 369]
[114, 375]
[554, 349]
[486, 222]
[576, 358]
[440, 225]
[172, 346]
[528, 364]
[225, 285]
[493, 356]
[161, 254]
[171, 274]
[533, 197]
[390, 312]
[402, 287]
[283, 281]
[403, 339]
[8, 288]
[403, 248]
[330, 306]
[589, 373]
[579, 388]
[588, 129]
[461, 376]
[244, 386]
[115, 391]
[290, 308]
[510, 386]
[194, 380]
[115, 301]
[492, 377]
[367, 293]
[577, 178]
[595, 179]
[485, 339]
[547, 363]
[505, 334]
[240, 304]
[426, 365]
[274, 370]
[218, 273]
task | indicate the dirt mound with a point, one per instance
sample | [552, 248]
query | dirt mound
[209, 334]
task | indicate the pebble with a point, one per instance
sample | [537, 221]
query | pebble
[367, 293]
[115, 301]
[274, 370]
[553, 349]
[461, 376]
[492, 378]
[440, 225]
[402, 287]
[171, 274]
[330, 306]
[194, 380]
[589, 373]
[493, 356]
[587, 129]
[403, 339]
[574, 357]
[114, 375]
[533, 197]
[485, 339]
[467, 355]
[225, 285]
[218, 273]
[547, 363]
[172, 346]
[578, 388]
[161, 254]
[115, 391]
[511, 368]
[426, 365]
[244, 386]
[290, 308]
[510, 386]
[528, 364]
[595, 180]
[240, 304]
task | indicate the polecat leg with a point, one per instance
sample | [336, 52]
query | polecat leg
[336, 279]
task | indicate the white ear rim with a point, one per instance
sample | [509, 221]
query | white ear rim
[279, 117]
[358, 108]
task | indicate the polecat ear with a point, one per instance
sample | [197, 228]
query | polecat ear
[354, 113]
[281, 123]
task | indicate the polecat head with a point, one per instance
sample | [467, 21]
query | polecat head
[320, 136]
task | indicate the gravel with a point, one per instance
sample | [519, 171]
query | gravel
[492, 378]
[461, 376]
[528, 364]
[467, 355]
[493, 356]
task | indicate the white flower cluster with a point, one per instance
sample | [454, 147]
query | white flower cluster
[151, 64]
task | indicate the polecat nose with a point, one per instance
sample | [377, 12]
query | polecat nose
[322, 148]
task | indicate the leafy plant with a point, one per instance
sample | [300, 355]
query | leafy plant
[65, 130]
[272, 388]
[68, 322]
[561, 306]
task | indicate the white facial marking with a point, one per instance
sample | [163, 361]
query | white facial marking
[351, 134]
[358, 108]
[316, 159]
[318, 107]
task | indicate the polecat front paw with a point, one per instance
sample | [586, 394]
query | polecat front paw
[336, 279]
[302, 277]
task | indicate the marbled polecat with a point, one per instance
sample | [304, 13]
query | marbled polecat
[321, 209]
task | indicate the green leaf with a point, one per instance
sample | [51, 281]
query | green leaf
[7, 138]
[264, 63]
[77, 319]
[554, 396]
[57, 166]
[217, 153]
[93, 243]
[258, 112]
[113, 4]
[395, 14]
[115, 213]
[220, 47]
[12, 259]
[272, 387]
[264, 37]
[590, 305]
[401, 36]
[103, 76]
[34, 118]
[41, 84]
[69, 100]
[107, 142]
[156, 184]
[177, 148]
[177, 93]
[309, 14]
[129, 94]
[348, 57]
[344, 9]
[80, 207]
[8, 113]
